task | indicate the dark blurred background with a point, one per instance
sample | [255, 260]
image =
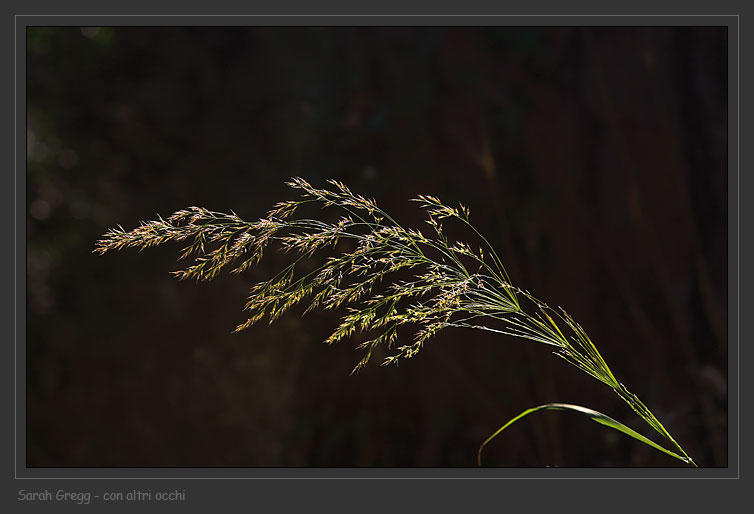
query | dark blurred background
[595, 159]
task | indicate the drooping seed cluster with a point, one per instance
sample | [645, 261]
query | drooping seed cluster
[452, 285]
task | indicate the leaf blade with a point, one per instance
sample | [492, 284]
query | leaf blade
[596, 416]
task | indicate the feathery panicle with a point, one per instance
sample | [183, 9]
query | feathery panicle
[442, 287]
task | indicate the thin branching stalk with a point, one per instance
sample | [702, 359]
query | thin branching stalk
[449, 284]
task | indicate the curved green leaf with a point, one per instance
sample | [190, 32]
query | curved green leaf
[595, 415]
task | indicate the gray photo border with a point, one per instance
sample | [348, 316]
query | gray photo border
[271, 482]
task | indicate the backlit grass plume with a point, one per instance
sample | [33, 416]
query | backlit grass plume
[391, 280]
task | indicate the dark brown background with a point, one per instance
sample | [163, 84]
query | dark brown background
[594, 159]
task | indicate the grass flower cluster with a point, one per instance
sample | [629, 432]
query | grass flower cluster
[390, 280]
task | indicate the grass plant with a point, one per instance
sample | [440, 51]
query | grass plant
[390, 280]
